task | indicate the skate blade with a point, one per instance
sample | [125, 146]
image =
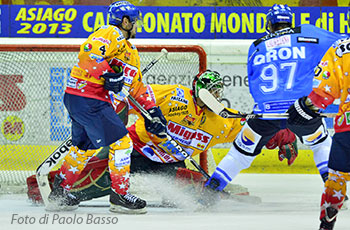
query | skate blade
[123, 210]
[54, 207]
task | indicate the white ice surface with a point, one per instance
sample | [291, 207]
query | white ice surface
[289, 202]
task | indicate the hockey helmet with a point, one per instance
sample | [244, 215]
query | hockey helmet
[279, 14]
[118, 10]
[210, 80]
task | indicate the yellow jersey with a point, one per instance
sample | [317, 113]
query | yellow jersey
[332, 81]
[195, 129]
[104, 48]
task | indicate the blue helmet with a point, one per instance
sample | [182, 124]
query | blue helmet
[279, 14]
[118, 10]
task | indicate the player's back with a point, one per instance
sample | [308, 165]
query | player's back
[281, 65]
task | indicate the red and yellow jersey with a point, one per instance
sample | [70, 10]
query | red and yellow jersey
[104, 48]
[332, 81]
[195, 129]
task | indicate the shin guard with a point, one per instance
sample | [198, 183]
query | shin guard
[119, 164]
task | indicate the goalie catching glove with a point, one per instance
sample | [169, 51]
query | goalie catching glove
[114, 81]
[287, 143]
[157, 125]
[302, 111]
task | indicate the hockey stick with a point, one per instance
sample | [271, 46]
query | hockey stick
[44, 168]
[61, 151]
[172, 141]
[163, 53]
[209, 100]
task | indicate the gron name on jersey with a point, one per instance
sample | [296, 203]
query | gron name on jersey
[284, 53]
[64, 148]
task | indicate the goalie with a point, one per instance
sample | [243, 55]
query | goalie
[189, 122]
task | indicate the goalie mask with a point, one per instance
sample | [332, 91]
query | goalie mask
[118, 10]
[210, 80]
[278, 14]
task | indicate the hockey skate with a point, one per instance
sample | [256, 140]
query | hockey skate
[127, 203]
[209, 196]
[345, 203]
[327, 223]
[60, 199]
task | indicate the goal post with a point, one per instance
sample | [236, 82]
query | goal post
[33, 119]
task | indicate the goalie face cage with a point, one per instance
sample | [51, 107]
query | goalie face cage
[33, 119]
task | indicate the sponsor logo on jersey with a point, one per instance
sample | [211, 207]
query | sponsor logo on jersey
[87, 47]
[128, 80]
[96, 57]
[72, 82]
[324, 63]
[177, 108]
[347, 100]
[77, 72]
[189, 137]
[282, 54]
[314, 137]
[247, 139]
[121, 37]
[277, 34]
[180, 96]
[326, 75]
[343, 49]
[129, 70]
[307, 40]
[82, 85]
[188, 120]
[278, 42]
[103, 40]
[347, 115]
[316, 83]
[340, 120]
[179, 99]
[127, 56]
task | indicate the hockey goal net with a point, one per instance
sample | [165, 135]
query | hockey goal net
[32, 81]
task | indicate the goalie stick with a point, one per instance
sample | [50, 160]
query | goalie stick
[209, 100]
[61, 151]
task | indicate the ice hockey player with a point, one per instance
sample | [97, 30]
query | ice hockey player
[94, 121]
[189, 122]
[331, 82]
[280, 70]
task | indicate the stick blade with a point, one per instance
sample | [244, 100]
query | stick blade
[209, 100]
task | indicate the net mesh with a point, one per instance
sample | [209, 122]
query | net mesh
[33, 118]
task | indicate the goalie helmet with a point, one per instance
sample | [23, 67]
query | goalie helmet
[278, 14]
[118, 10]
[210, 80]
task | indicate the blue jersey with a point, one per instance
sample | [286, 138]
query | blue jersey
[281, 65]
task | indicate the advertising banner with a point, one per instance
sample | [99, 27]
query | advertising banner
[160, 22]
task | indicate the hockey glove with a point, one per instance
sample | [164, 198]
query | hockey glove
[157, 125]
[286, 141]
[289, 152]
[113, 81]
[302, 111]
